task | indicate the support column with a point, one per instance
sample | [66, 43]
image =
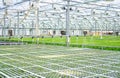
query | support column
[18, 21]
[37, 22]
[32, 28]
[67, 23]
[114, 29]
[101, 35]
[4, 25]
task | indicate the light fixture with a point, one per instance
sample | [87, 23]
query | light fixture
[60, 16]
[85, 18]
[64, 8]
[106, 13]
[71, 9]
[93, 12]
[73, 17]
[78, 10]
[53, 14]
[32, 5]
[54, 8]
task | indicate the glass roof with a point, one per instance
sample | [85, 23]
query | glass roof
[82, 13]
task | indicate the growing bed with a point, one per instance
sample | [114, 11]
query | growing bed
[44, 61]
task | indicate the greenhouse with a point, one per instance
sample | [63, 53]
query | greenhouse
[59, 38]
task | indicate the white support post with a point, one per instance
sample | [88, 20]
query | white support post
[18, 21]
[67, 23]
[32, 28]
[3, 29]
[101, 35]
[23, 30]
[95, 27]
[114, 29]
[37, 21]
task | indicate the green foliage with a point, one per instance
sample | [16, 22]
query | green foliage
[107, 42]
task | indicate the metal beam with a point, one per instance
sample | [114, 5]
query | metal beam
[7, 6]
